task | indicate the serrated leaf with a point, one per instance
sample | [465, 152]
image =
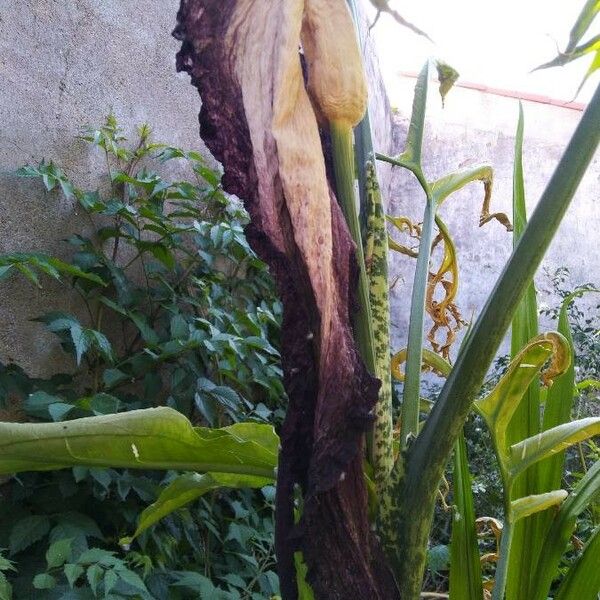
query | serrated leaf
[38, 404]
[94, 575]
[104, 404]
[438, 558]
[111, 578]
[102, 476]
[133, 579]
[112, 377]
[73, 572]
[44, 581]
[187, 488]
[59, 410]
[27, 531]
[73, 524]
[98, 556]
[58, 553]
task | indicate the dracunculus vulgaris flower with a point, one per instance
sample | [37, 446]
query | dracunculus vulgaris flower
[262, 116]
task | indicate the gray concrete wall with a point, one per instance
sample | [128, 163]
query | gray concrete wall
[64, 64]
[478, 127]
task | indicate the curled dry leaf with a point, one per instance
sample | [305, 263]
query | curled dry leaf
[258, 120]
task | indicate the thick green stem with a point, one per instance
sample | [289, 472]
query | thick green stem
[344, 167]
[430, 452]
[414, 358]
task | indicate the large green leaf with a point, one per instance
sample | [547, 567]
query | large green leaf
[499, 407]
[557, 410]
[155, 438]
[559, 402]
[547, 443]
[561, 529]
[583, 579]
[411, 159]
[414, 139]
[189, 487]
[529, 505]
[465, 566]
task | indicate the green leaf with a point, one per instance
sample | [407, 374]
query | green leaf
[438, 558]
[465, 567]
[4, 271]
[44, 581]
[5, 588]
[99, 556]
[58, 553]
[305, 592]
[111, 578]
[585, 18]
[447, 76]
[27, 531]
[499, 406]
[59, 410]
[524, 507]
[49, 265]
[73, 572]
[444, 187]
[38, 404]
[133, 579]
[157, 438]
[429, 452]
[559, 402]
[112, 377]
[104, 404]
[187, 488]
[411, 156]
[553, 440]
[148, 334]
[73, 524]
[583, 578]
[81, 341]
[94, 575]
[200, 584]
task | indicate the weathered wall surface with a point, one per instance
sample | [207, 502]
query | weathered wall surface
[64, 64]
[473, 128]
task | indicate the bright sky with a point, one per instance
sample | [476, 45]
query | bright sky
[488, 42]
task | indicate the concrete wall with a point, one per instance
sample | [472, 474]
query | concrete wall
[478, 127]
[64, 64]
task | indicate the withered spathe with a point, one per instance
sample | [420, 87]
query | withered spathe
[258, 120]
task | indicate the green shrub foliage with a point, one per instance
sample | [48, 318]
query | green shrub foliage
[177, 311]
